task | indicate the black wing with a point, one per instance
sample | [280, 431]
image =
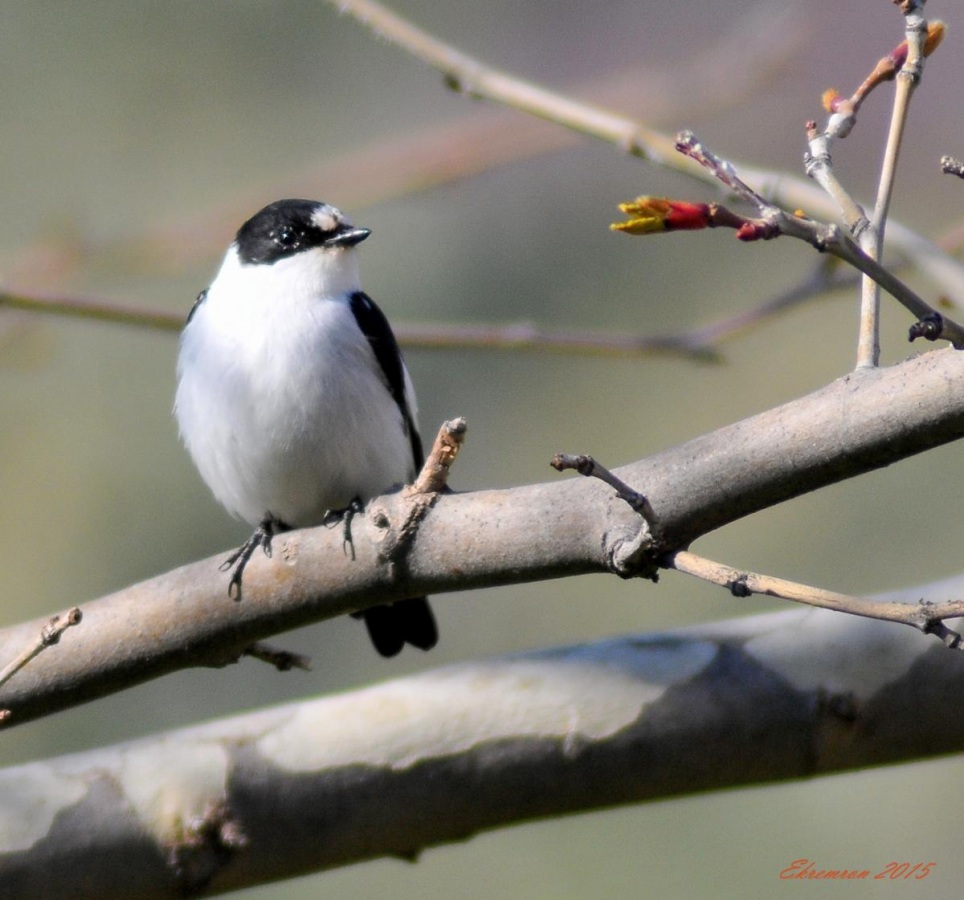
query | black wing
[371, 320]
[392, 625]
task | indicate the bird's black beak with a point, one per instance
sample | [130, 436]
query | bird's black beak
[348, 236]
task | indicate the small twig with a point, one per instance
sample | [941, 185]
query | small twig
[526, 336]
[925, 617]
[818, 165]
[905, 63]
[586, 465]
[420, 496]
[435, 472]
[282, 660]
[652, 215]
[872, 238]
[49, 635]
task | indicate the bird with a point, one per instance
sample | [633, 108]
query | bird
[292, 397]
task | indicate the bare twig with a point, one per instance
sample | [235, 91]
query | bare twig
[872, 239]
[47, 637]
[526, 336]
[435, 472]
[519, 337]
[818, 165]
[282, 660]
[650, 215]
[925, 617]
[397, 533]
[905, 63]
[821, 280]
[589, 467]
[95, 308]
[698, 344]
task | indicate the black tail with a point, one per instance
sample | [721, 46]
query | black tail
[394, 625]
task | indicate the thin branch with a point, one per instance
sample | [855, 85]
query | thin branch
[469, 76]
[925, 617]
[655, 215]
[47, 636]
[517, 337]
[529, 337]
[821, 281]
[818, 165]
[282, 660]
[93, 308]
[698, 344]
[905, 63]
[872, 238]
[590, 468]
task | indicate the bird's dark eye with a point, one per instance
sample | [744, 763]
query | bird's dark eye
[287, 237]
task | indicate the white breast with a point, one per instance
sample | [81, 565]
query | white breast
[281, 401]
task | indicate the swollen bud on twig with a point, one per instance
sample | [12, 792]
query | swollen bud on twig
[935, 34]
[886, 70]
[652, 215]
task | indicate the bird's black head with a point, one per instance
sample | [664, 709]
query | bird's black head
[287, 227]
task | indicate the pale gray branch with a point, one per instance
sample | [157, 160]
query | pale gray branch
[184, 618]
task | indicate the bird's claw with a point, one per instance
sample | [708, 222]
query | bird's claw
[261, 537]
[344, 516]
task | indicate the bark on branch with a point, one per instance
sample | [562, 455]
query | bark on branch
[394, 769]
[861, 422]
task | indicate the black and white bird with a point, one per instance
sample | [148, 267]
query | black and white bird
[292, 396]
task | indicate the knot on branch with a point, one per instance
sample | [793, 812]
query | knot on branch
[632, 552]
[204, 846]
[418, 498]
[930, 327]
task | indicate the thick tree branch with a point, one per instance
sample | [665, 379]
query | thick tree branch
[183, 618]
[403, 766]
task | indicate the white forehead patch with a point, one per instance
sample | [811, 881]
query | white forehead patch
[327, 218]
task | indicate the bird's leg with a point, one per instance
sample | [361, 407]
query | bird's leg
[345, 515]
[266, 530]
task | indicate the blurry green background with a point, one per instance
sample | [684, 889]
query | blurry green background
[126, 119]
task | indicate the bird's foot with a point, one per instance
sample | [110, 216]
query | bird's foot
[261, 537]
[344, 516]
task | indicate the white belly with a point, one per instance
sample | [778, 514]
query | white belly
[290, 426]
